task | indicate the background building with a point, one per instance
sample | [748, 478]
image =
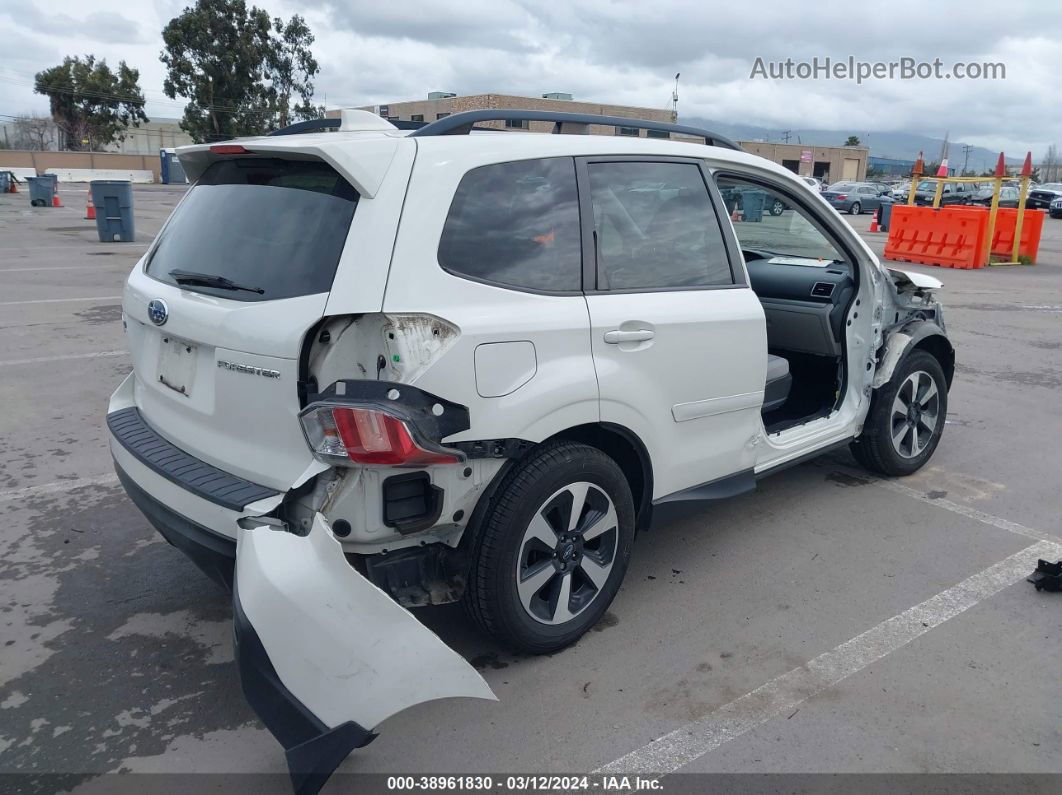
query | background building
[824, 162]
[441, 104]
[890, 166]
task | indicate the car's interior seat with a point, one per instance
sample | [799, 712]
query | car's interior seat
[779, 380]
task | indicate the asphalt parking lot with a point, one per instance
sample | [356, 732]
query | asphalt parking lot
[827, 622]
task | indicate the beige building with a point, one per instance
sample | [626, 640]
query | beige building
[441, 104]
[834, 162]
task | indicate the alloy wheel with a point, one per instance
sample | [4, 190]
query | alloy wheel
[915, 414]
[567, 553]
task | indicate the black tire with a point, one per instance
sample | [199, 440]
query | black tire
[499, 545]
[777, 208]
[875, 448]
[855, 209]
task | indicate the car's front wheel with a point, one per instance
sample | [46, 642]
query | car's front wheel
[550, 554]
[777, 208]
[906, 418]
[856, 208]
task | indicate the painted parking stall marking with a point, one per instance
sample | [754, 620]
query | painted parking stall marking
[782, 695]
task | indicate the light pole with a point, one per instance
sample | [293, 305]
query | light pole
[674, 99]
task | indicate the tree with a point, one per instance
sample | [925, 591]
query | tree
[291, 68]
[90, 103]
[853, 140]
[242, 72]
[34, 132]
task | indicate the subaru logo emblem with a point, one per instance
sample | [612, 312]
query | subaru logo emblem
[158, 311]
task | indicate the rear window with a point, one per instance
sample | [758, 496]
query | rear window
[254, 229]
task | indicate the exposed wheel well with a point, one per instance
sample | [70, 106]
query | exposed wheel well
[942, 351]
[629, 453]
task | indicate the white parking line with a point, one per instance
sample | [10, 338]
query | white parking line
[785, 693]
[63, 300]
[965, 510]
[52, 488]
[63, 358]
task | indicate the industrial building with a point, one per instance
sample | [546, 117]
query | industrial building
[890, 166]
[441, 104]
[829, 163]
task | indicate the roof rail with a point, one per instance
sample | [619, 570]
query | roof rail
[316, 125]
[462, 123]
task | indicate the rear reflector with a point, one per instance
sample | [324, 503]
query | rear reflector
[228, 149]
[348, 434]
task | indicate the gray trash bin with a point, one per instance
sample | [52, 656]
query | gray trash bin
[884, 216]
[41, 190]
[752, 202]
[113, 199]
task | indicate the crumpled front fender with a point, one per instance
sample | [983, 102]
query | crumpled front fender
[324, 655]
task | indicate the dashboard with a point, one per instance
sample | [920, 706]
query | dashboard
[805, 300]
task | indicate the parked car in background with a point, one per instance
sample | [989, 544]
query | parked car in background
[1008, 196]
[1043, 196]
[814, 184]
[1056, 208]
[853, 197]
[953, 192]
[901, 192]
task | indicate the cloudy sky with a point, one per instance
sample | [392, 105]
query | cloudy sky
[620, 52]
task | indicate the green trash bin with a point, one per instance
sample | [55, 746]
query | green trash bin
[41, 190]
[113, 199]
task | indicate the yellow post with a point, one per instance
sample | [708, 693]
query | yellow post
[1022, 192]
[997, 184]
[914, 189]
[936, 196]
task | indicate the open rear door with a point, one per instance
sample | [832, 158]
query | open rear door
[324, 655]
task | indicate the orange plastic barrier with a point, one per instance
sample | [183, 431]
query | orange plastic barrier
[937, 237]
[1003, 235]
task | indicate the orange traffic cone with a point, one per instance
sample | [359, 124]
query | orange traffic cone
[90, 210]
[942, 171]
[55, 199]
[874, 223]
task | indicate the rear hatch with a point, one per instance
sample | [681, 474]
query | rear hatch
[217, 312]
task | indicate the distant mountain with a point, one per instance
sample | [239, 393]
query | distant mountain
[905, 146]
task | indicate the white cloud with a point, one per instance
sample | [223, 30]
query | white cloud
[622, 52]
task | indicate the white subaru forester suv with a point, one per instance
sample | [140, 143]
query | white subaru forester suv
[376, 369]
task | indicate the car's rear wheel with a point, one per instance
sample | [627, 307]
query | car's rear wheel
[856, 208]
[906, 418]
[777, 208]
[549, 556]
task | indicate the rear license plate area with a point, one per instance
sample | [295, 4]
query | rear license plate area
[177, 365]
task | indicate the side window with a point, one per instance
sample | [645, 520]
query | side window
[788, 238]
[516, 225]
[656, 227]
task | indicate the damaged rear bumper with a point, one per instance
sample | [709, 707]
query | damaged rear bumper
[324, 655]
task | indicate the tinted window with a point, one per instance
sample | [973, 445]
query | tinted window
[277, 226]
[516, 224]
[656, 227]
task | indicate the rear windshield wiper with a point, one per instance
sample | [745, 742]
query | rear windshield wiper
[211, 280]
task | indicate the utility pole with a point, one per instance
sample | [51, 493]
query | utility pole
[965, 158]
[674, 99]
[785, 135]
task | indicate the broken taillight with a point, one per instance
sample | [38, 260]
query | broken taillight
[351, 434]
